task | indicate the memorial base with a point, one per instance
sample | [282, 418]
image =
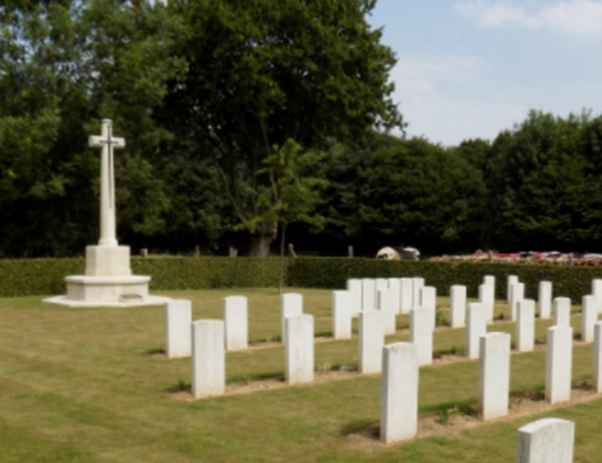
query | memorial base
[100, 288]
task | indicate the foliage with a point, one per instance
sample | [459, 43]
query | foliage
[261, 73]
[19, 277]
[408, 192]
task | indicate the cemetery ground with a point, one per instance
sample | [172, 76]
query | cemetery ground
[94, 385]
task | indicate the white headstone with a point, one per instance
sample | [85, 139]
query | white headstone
[395, 286]
[381, 283]
[299, 349]
[457, 298]
[291, 304]
[490, 280]
[368, 294]
[558, 364]
[598, 357]
[476, 326]
[511, 281]
[428, 298]
[421, 334]
[208, 358]
[178, 317]
[549, 440]
[525, 326]
[341, 314]
[589, 317]
[518, 294]
[386, 306]
[417, 285]
[371, 342]
[354, 286]
[406, 295]
[545, 299]
[487, 298]
[494, 375]
[236, 320]
[562, 311]
[399, 393]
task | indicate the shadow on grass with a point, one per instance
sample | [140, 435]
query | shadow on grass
[155, 352]
[365, 427]
[180, 386]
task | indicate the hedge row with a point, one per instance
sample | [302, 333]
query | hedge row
[47, 276]
[567, 281]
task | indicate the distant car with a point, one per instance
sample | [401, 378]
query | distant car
[406, 253]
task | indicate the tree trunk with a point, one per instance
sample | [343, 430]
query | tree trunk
[262, 237]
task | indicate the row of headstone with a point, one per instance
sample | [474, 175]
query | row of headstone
[178, 321]
[400, 371]
[396, 294]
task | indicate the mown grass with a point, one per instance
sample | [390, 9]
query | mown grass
[86, 385]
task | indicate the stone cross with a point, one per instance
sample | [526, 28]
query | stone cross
[107, 142]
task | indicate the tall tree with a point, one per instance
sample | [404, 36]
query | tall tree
[64, 65]
[262, 72]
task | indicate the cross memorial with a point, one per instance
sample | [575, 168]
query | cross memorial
[107, 142]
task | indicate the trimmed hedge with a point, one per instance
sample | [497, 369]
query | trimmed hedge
[567, 281]
[21, 277]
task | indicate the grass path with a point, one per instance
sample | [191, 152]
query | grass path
[87, 385]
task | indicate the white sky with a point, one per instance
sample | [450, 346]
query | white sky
[470, 69]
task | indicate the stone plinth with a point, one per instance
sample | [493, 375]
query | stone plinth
[128, 291]
[108, 280]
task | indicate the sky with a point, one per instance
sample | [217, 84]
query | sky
[472, 69]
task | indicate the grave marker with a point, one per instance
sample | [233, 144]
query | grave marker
[494, 375]
[208, 358]
[291, 304]
[421, 334]
[525, 326]
[236, 323]
[549, 440]
[341, 314]
[545, 299]
[399, 393]
[178, 318]
[371, 342]
[476, 326]
[457, 296]
[562, 311]
[559, 358]
[299, 349]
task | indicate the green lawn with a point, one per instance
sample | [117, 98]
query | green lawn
[87, 385]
